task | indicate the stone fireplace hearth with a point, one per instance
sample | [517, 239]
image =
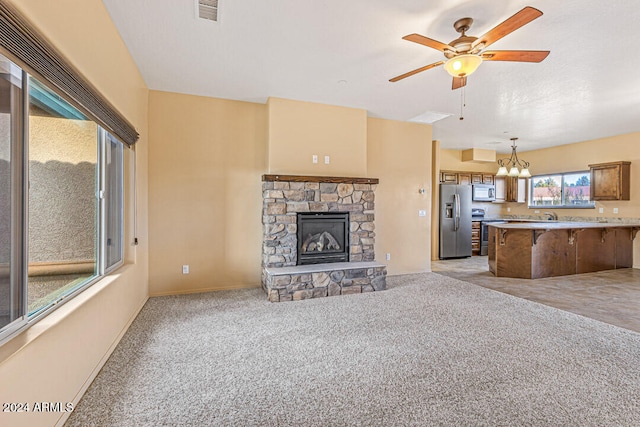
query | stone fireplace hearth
[289, 198]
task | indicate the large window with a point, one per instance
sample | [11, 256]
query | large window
[61, 199]
[567, 190]
[112, 197]
[12, 295]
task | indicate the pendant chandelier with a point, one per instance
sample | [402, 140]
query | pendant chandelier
[513, 166]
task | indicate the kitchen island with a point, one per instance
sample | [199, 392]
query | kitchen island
[531, 250]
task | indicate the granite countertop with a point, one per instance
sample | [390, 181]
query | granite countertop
[558, 225]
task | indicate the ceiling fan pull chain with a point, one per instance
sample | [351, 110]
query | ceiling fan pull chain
[463, 101]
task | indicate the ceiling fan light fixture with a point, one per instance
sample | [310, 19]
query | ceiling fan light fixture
[462, 65]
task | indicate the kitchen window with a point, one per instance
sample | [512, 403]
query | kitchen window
[562, 190]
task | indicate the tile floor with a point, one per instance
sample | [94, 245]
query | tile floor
[609, 296]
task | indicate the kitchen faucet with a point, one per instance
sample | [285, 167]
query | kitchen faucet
[552, 216]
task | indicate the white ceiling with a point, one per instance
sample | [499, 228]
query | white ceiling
[343, 52]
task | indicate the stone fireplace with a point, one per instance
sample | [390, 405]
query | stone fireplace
[318, 237]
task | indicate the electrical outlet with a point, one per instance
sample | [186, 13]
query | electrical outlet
[422, 213]
[327, 160]
[314, 158]
[601, 210]
[388, 257]
[508, 209]
[185, 269]
[536, 211]
[615, 210]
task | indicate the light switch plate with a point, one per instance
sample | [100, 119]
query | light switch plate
[327, 160]
[422, 213]
[314, 158]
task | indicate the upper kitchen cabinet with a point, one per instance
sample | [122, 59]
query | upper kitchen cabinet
[482, 178]
[610, 181]
[459, 177]
[449, 177]
[464, 178]
[511, 189]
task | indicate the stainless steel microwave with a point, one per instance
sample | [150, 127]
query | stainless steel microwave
[484, 192]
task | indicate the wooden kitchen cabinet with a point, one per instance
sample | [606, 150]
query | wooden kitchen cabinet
[610, 181]
[511, 189]
[464, 178]
[536, 250]
[461, 177]
[449, 177]
[515, 189]
[475, 238]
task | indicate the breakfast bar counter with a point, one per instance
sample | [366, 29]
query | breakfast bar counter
[531, 250]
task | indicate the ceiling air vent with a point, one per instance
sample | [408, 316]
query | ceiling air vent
[208, 9]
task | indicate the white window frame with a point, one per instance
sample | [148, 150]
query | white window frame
[590, 205]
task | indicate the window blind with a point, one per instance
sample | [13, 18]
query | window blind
[23, 44]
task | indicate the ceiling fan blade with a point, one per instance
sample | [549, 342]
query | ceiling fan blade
[416, 71]
[515, 55]
[458, 82]
[518, 20]
[426, 41]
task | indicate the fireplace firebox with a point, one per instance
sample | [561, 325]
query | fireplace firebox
[323, 237]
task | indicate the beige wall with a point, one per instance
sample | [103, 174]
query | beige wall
[399, 154]
[206, 160]
[56, 359]
[298, 130]
[452, 160]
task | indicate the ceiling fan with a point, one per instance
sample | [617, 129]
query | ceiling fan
[466, 53]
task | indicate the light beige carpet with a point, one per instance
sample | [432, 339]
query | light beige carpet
[431, 350]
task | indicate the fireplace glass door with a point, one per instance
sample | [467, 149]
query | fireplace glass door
[323, 237]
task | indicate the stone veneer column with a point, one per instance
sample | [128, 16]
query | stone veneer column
[285, 196]
[282, 200]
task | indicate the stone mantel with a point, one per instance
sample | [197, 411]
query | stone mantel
[329, 179]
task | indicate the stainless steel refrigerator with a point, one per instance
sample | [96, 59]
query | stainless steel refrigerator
[455, 221]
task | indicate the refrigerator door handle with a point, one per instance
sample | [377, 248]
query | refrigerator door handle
[456, 211]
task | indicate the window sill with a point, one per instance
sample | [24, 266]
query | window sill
[39, 325]
[561, 207]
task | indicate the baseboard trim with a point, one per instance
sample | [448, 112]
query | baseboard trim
[65, 416]
[202, 290]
